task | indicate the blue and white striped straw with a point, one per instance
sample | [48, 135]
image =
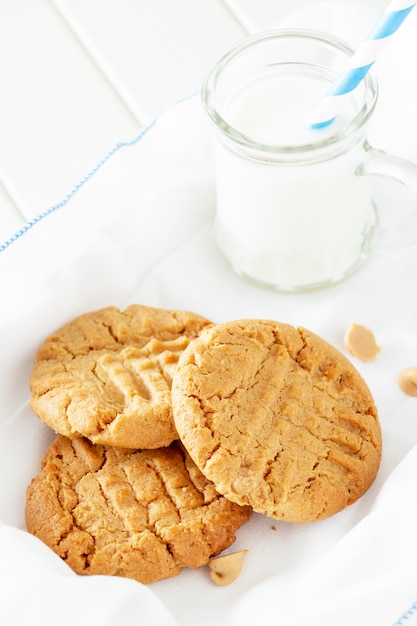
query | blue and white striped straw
[361, 62]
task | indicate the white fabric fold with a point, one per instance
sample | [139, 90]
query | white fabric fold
[365, 578]
[38, 588]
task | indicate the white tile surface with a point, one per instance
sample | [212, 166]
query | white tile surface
[153, 52]
[77, 77]
[58, 114]
[259, 15]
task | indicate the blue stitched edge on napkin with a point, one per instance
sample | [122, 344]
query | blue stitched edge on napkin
[409, 613]
[122, 144]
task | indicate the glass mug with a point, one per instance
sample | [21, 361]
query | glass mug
[294, 206]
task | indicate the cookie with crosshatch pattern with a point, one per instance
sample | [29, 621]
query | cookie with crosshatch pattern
[141, 514]
[277, 419]
[106, 375]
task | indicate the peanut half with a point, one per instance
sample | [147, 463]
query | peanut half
[225, 569]
[407, 381]
[359, 341]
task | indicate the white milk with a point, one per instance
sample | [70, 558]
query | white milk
[289, 225]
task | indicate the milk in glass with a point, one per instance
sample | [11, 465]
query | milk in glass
[293, 220]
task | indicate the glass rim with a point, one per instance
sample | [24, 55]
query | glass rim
[211, 77]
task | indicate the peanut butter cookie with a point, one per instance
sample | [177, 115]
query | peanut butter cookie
[107, 375]
[138, 514]
[277, 418]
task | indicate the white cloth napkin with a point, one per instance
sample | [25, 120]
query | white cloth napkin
[138, 230]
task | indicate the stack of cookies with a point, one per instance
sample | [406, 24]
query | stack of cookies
[172, 429]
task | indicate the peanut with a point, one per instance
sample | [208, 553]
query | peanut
[407, 381]
[225, 569]
[359, 341]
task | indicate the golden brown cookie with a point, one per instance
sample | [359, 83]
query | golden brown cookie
[106, 375]
[277, 419]
[138, 514]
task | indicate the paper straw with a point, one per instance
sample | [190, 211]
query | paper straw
[361, 62]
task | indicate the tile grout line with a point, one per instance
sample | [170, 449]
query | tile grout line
[240, 16]
[95, 57]
[15, 203]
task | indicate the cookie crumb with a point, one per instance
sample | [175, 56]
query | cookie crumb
[407, 381]
[225, 569]
[273, 527]
[360, 342]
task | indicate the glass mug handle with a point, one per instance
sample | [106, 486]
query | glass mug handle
[397, 211]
